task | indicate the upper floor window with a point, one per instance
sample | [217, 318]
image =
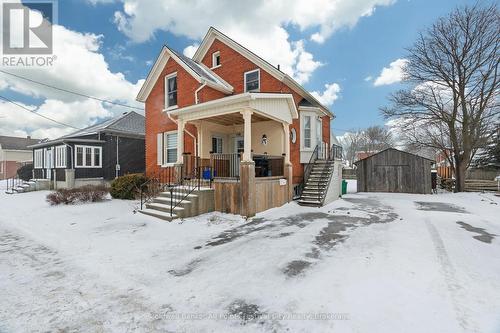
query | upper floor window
[215, 59]
[171, 91]
[252, 80]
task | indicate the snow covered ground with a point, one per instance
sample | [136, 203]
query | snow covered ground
[366, 263]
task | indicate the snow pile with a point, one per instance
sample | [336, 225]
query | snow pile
[367, 263]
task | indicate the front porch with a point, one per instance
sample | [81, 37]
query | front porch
[242, 145]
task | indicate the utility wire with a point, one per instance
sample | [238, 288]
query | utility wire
[36, 113]
[70, 91]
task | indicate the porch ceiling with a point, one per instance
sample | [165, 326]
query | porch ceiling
[234, 119]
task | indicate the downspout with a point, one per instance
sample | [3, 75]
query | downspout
[197, 90]
[117, 157]
[71, 149]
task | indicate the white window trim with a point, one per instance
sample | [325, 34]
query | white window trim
[38, 160]
[84, 157]
[164, 149]
[215, 54]
[61, 158]
[245, 80]
[302, 132]
[169, 107]
[218, 136]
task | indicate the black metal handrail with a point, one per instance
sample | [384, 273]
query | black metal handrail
[307, 169]
[13, 182]
[157, 183]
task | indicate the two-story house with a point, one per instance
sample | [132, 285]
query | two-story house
[229, 116]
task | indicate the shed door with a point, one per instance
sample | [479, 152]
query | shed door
[393, 178]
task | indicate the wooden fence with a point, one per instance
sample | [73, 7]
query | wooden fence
[474, 185]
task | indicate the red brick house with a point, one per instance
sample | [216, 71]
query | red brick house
[257, 130]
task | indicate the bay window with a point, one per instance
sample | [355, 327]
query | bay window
[307, 131]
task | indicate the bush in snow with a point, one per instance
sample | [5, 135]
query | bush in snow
[128, 186]
[25, 172]
[88, 193]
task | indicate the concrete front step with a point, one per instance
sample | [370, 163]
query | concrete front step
[178, 210]
[167, 201]
[315, 203]
[159, 214]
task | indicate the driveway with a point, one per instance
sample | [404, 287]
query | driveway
[366, 263]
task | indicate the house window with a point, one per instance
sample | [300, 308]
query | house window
[307, 131]
[88, 157]
[170, 147]
[79, 156]
[215, 59]
[38, 159]
[171, 91]
[60, 156]
[216, 145]
[252, 80]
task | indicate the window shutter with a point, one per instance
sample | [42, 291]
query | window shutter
[159, 148]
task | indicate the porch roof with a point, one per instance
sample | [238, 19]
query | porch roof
[274, 106]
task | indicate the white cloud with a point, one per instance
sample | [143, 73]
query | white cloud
[17, 121]
[190, 50]
[79, 67]
[368, 78]
[258, 25]
[391, 74]
[329, 95]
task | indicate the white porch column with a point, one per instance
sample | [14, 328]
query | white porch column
[247, 130]
[180, 140]
[286, 142]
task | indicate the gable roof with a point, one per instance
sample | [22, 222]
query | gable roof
[390, 148]
[213, 34]
[127, 123]
[16, 143]
[198, 71]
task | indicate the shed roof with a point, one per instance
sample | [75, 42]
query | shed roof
[401, 151]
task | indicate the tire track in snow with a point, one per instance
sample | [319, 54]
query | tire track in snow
[449, 273]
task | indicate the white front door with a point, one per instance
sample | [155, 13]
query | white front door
[48, 163]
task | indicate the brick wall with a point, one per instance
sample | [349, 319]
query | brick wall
[233, 66]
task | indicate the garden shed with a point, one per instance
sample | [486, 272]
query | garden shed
[396, 171]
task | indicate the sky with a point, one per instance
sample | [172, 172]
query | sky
[349, 54]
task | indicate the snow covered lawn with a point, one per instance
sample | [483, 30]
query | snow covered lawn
[366, 263]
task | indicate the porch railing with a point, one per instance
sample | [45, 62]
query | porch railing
[268, 165]
[225, 165]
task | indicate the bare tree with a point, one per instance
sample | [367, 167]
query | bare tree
[352, 142]
[452, 100]
[377, 138]
[371, 139]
